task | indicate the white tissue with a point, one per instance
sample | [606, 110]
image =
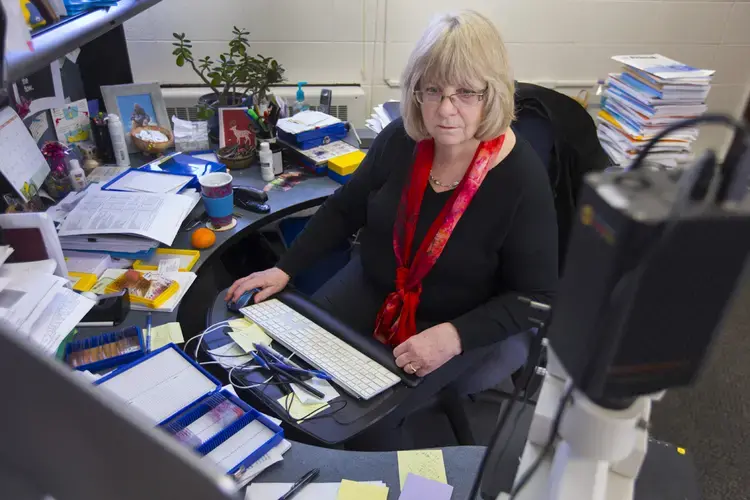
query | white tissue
[190, 136]
[151, 136]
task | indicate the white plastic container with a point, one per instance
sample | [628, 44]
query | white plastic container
[119, 146]
[77, 175]
[266, 162]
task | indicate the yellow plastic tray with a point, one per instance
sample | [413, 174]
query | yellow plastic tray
[83, 282]
[154, 303]
[188, 258]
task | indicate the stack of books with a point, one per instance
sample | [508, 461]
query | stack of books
[651, 93]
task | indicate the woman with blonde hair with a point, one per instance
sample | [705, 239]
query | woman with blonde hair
[455, 217]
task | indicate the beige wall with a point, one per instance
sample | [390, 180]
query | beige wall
[565, 42]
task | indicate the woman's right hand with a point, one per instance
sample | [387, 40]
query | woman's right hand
[271, 281]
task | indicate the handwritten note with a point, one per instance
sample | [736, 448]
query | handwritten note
[299, 410]
[425, 463]
[246, 337]
[164, 334]
[352, 490]
[418, 487]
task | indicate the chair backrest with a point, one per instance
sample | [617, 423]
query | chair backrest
[563, 134]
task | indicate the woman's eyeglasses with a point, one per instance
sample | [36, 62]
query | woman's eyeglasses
[462, 98]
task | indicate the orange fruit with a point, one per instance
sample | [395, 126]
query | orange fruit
[203, 238]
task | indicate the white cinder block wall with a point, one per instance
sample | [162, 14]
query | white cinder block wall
[368, 41]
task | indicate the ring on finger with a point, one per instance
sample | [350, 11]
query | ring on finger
[411, 368]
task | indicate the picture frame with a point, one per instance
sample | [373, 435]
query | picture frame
[137, 104]
[235, 127]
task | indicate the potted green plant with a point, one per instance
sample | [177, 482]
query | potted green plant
[236, 78]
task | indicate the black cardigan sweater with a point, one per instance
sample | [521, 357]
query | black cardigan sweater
[504, 246]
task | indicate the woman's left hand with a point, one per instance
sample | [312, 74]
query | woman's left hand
[428, 350]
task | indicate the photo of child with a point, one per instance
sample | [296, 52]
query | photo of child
[136, 111]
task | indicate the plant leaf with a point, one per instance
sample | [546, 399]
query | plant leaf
[181, 60]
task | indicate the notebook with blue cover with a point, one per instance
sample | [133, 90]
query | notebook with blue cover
[175, 393]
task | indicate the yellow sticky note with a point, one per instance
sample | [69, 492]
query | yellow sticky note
[352, 490]
[164, 334]
[299, 410]
[425, 463]
[240, 324]
[248, 336]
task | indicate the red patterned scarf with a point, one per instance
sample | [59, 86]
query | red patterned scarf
[396, 321]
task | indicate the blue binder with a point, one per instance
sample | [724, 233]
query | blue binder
[144, 376]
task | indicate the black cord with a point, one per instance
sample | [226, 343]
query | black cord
[547, 448]
[502, 420]
[737, 125]
[318, 414]
[514, 425]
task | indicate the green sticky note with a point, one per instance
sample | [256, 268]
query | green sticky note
[240, 324]
[425, 463]
[164, 334]
[246, 337]
[352, 490]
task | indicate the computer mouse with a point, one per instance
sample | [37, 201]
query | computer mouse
[244, 300]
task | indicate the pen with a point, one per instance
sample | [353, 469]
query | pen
[281, 363]
[301, 483]
[148, 333]
[286, 375]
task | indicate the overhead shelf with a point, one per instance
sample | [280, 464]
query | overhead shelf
[70, 33]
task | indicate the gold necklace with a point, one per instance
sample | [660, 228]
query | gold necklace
[440, 184]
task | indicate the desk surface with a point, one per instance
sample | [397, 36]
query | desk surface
[666, 474]
[309, 193]
[461, 464]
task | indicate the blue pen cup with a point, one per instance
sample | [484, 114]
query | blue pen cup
[219, 210]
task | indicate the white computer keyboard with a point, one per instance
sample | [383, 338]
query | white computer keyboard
[356, 373]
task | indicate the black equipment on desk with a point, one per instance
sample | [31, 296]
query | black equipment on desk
[109, 309]
[251, 199]
[651, 266]
[326, 96]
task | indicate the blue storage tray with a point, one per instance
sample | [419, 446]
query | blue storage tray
[106, 338]
[314, 138]
[341, 179]
[251, 416]
[196, 409]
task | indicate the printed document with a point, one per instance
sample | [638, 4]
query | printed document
[58, 319]
[154, 216]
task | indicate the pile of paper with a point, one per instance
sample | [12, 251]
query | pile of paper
[131, 224]
[382, 115]
[306, 120]
[651, 93]
[37, 305]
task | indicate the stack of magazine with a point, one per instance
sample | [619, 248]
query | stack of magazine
[651, 93]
